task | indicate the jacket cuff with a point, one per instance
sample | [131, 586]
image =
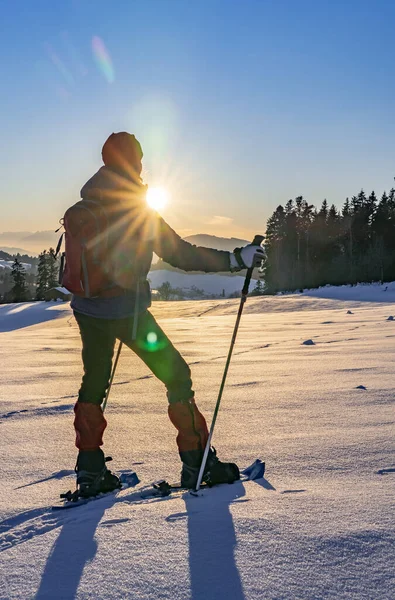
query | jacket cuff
[236, 264]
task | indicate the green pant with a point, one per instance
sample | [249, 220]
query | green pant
[151, 345]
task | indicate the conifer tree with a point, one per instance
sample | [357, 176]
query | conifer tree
[52, 269]
[19, 291]
[42, 275]
[258, 289]
[165, 291]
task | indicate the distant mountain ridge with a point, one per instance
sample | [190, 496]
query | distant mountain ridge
[12, 251]
[34, 242]
[213, 241]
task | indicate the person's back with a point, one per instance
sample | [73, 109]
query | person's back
[117, 192]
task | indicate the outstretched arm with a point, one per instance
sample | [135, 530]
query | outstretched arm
[183, 255]
[179, 253]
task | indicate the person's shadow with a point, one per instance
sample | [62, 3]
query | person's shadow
[212, 543]
[26, 314]
[74, 548]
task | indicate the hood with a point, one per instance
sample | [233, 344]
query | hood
[110, 185]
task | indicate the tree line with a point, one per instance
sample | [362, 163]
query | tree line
[20, 285]
[309, 247]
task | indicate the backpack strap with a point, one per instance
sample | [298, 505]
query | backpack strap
[59, 244]
[61, 267]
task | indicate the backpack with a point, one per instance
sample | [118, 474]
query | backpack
[89, 266]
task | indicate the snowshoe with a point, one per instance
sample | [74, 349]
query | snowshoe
[215, 472]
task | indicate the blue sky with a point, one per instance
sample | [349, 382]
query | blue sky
[239, 105]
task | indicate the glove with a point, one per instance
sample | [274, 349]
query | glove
[247, 257]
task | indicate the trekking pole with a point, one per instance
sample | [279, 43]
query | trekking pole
[112, 376]
[258, 239]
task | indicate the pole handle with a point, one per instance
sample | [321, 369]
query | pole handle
[257, 241]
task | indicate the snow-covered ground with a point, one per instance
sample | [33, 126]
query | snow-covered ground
[210, 283]
[365, 292]
[320, 525]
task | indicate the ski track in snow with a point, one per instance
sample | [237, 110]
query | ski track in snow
[320, 525]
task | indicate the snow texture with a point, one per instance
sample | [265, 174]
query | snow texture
[319, 525]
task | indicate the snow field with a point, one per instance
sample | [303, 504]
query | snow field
[209, 282]
[320, 525]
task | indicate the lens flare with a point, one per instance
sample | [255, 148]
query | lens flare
[152, 338]
[157, 197]
[152, 342]
[103, 59]
[59, 64]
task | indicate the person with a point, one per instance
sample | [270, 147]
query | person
[120, 312]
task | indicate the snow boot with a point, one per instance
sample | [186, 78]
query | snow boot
[215, 472]
[93, 477]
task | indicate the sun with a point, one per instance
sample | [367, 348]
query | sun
[157, 197]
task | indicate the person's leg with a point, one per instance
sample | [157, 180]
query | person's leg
[98, 342]
[155, 349]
